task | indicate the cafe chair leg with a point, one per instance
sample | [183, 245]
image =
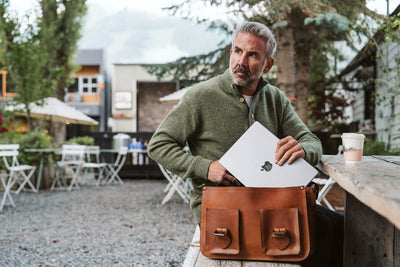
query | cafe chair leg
[7, 190]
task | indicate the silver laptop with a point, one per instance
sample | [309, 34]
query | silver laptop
[251, 161]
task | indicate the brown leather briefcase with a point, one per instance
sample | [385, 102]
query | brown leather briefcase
[273, 224]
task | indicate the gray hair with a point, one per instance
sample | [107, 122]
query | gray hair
[261, 31]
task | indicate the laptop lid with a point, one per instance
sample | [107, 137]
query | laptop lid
[251, 161]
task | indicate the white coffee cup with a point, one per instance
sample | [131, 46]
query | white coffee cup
[353, 145]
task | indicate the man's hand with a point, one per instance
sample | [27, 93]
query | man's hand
[218, 174]
[288, 149]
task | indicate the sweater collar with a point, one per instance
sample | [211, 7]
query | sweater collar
[227, 82]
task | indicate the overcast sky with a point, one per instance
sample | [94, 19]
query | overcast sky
[139, 31]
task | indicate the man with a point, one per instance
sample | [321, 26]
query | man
[215, 113]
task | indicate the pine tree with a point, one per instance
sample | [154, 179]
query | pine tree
[304, 29]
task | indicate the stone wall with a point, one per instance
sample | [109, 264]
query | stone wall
[150, 111]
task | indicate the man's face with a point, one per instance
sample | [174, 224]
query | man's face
[247, 59]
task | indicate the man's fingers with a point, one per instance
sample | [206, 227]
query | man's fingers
[218, 174]
[290, 155]
[225, 182]
[231, 180]
[283, 148]
[296, 155]
[288, 149]
[281, 143]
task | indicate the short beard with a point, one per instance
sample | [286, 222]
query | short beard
[250, 77]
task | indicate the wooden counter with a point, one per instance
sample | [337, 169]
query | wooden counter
[372, 208]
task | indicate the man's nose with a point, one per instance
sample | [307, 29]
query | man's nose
[243, 60]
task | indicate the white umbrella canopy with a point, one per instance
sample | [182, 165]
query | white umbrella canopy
[55, 110]
[175, 97]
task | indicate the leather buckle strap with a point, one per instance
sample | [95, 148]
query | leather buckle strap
[222, 232]
[279, 233]
[222, 237]
[280, 238]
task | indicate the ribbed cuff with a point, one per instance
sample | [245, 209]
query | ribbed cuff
[201, 167]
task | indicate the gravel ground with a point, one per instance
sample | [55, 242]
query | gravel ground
[117, 225]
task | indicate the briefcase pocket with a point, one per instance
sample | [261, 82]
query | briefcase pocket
[222, 231]
[280, 235]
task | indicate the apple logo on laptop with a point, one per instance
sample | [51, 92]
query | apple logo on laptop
[267, 166]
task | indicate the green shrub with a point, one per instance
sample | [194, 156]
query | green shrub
[31, 140]
[81, 140]
[35, 139]
[8, 137]
[378, 148]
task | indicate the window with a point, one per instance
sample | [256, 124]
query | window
[85, 85]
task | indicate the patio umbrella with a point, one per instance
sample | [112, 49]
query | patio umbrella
[55, 110]
[175, 97]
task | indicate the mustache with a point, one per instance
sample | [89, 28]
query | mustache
[242, 69]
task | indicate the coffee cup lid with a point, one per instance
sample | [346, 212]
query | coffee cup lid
[352, 135]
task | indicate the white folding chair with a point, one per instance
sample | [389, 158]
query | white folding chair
[20, 174]
[327, 184]
[115, 167]
[69, 168]
[7, 185]
[175, 184]
[94, 164]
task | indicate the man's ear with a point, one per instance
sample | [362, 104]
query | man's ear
[269, 64]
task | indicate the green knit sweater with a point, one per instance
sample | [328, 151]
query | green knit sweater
[211, 117]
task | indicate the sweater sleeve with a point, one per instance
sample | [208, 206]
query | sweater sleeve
[293, 126]
[167, 143]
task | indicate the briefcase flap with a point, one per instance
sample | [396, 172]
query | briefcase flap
[257, 223]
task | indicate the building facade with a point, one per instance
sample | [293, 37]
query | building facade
[90, 92]
[135, 99]
[373, 78]
[387, 110]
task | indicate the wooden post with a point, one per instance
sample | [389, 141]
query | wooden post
[4, 84]
[370, 239]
